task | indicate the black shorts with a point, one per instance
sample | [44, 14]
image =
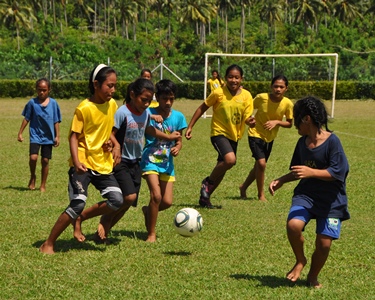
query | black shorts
[129, 177]
[259, 148]
[46, 151]
[223, 146]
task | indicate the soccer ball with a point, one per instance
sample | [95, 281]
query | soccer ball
[188, 222]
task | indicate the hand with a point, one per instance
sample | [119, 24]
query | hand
[188, 135]
[56, 142]
[107, 146]
[20, 138]
[250, 122]
[300, 172]
[116, 154]
[274, 185]
[80, 168]
[174, 135]
[175, 151]
[157, 118]
[269, 125]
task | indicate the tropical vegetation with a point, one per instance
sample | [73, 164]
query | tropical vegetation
[64, 39]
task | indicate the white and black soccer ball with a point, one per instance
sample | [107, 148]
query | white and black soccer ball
[188, 222]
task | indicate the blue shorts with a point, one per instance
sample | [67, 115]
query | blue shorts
[327, 226]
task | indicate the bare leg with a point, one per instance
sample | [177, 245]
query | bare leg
[61, 224]
[45, 169]
[296, 240]
[221, 168]
[260, 168]
[319, 257]
[97, 209]
[32, 164]
[248, 181]
[154, 186]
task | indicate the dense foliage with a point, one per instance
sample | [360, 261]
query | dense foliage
[65, 39]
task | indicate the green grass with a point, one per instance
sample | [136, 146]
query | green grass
[242, 252]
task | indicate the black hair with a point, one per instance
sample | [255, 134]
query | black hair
[45, 80]
[313, 107]
[218, 76]
[280, 77]
[137, 88]
[234, 67]
[165, 86]
[101, 76]
[146, 70]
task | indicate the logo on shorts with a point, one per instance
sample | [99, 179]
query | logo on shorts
[333, 223]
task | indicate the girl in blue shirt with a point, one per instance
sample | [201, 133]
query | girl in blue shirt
[320, 165]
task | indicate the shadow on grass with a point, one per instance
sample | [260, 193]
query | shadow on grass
[19, 188]
[177, 253]
[267, 280]
[197, 206]
[68, 245]
[242, 199]
[138, 235]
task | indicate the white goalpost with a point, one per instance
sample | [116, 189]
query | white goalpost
[333, 55]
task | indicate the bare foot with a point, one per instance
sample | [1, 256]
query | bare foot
[98, 240]
[243, 192]
[314, 284]
[46, 248]
[42, 188]
[295, 272]
[144, 210]
[31, 184]
[263, 199]
[151, 238]
[103, 230]
[78, 235]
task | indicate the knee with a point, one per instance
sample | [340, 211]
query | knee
[114, 198]
[45, 162]
[129, 199]
[75, 208]
[155, 198]
[261, 164]
[294, 226]
[230, 162]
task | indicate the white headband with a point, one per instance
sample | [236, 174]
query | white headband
[96, 71]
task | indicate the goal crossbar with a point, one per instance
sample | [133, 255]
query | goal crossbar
[334, 55]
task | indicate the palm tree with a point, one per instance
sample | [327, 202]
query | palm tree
[199, 12]
[271, 12]
[14, 14]
[307, 12]
[128, 12]
[224, 6]
[244, 4]
[346, 10]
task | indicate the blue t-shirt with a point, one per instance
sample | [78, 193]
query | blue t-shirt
[42, 120]
[131, 131]
[157, 153]
[322, 198]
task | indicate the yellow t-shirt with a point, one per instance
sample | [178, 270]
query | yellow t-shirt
[269, 110]
[229, 112]
[94, 123]
[214, 84]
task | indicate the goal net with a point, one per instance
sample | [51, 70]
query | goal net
[313, 69]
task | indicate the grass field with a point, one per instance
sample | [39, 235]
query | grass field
[242, 252]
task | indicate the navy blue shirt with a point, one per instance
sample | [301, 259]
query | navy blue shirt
[322, 198]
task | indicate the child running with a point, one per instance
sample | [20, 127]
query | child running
[89, 162]
[232, 109]
[43, 114]
[270, 109]
[132, 121]
[157, 159]
[320, 165]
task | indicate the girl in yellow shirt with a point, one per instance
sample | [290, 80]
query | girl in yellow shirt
[232, 107]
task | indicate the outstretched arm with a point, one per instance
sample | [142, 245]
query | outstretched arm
[278, 183]
[198, 113]
[269, 125]
[151, 130]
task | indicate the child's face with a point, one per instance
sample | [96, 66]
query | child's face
[234, 80]
[279, 88]
[214, 75]
[165, 102]
[42, 90]
[108, 88]
[142, 101]
[146, 75]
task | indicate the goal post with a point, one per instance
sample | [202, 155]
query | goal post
[333, 55]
